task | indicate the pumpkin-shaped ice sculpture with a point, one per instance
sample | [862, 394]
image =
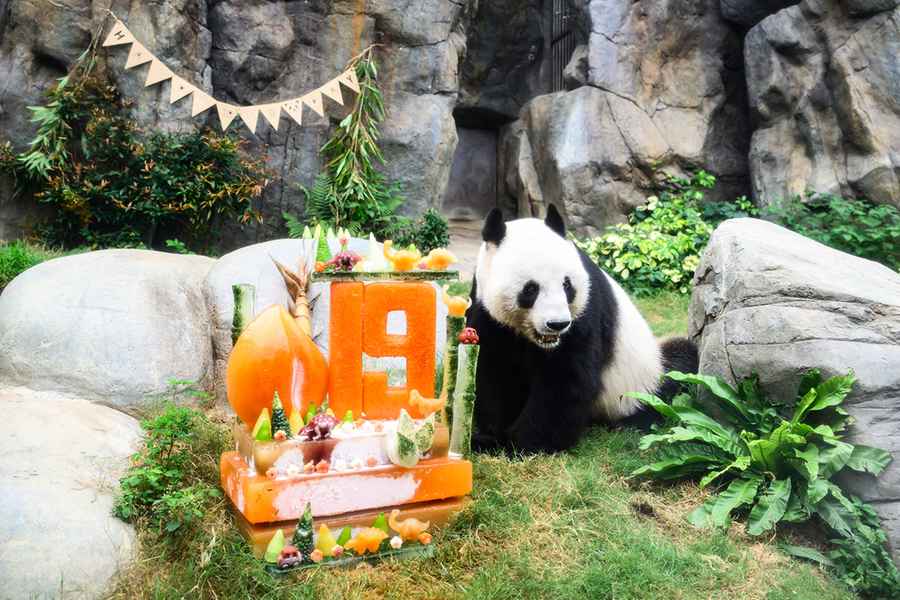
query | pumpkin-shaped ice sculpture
[275, 354]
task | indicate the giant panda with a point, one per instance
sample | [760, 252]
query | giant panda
[561, 341]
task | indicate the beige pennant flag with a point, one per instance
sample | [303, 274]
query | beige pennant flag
[137, 56]
[314, 101]
[118, 36]
[332, 89]
[180, 89]
[348, 78]
[272, 113]
[227, 113]
[250, 116]
[202, 102]
[294, 109]
[158, 73]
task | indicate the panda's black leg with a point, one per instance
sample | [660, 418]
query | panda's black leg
[554, 418]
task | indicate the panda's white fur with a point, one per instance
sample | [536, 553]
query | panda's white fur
[530, 250]
[637, 361]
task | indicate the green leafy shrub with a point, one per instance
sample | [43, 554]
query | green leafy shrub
[854, 226]
[430, 231]
[773, 468]
[164, 489]
[716, 212]
[659, 247]
[351, 192]
[108, 184]
[18, 257]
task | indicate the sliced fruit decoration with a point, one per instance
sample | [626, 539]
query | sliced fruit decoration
[274, 352]
[401, 260]
[367, 540]
[406, 442]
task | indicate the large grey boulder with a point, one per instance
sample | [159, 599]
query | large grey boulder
[111, 327]
[60, 461]
[772, 302]
[824, 84]
[664, 91]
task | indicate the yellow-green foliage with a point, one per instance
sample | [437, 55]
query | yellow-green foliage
[659, 247]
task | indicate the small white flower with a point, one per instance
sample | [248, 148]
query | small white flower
[396, 542]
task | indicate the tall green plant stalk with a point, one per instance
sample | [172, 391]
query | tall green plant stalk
[352, 192]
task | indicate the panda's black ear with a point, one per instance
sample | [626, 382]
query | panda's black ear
[554, 220]
[494, 229]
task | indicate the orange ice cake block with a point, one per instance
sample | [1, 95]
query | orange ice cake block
[263, 500]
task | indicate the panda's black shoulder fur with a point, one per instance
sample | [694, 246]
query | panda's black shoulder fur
[533, 400]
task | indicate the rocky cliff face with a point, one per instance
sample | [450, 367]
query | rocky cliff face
[824, 85]
[773, 97]
[248, 52]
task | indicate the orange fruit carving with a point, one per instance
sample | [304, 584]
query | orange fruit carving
[273, 353]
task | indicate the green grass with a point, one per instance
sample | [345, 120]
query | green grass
[565, 526]
[667, 313]
[18, 256]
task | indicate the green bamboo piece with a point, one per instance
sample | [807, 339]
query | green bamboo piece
[244, 308]
[455, 326]
[464, 401]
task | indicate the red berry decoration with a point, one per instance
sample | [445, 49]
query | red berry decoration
[319, 428]
[468, 336]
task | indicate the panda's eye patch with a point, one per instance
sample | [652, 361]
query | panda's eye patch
[569, 289]
[528, 295]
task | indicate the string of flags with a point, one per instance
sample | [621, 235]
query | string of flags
[201, 101]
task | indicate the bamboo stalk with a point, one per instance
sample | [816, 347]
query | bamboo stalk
[244, 309]
[464, 401]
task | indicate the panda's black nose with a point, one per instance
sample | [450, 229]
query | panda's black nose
[558, 325]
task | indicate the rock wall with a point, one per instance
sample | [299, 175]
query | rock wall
[659, 87]
[774, 97]
[248, 52]
[824, 85]
[664, 86]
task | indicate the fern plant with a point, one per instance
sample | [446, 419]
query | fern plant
[775, 469]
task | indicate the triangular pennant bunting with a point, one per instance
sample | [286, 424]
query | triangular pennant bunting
[227, 113]
[118, 36]
[332, 89]
[137, 56]
[158, 73]
[272, 114]
[348, 78]
[314, 101]
[294, 109]
[249, 115]
[180, 89]
[202, 102]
